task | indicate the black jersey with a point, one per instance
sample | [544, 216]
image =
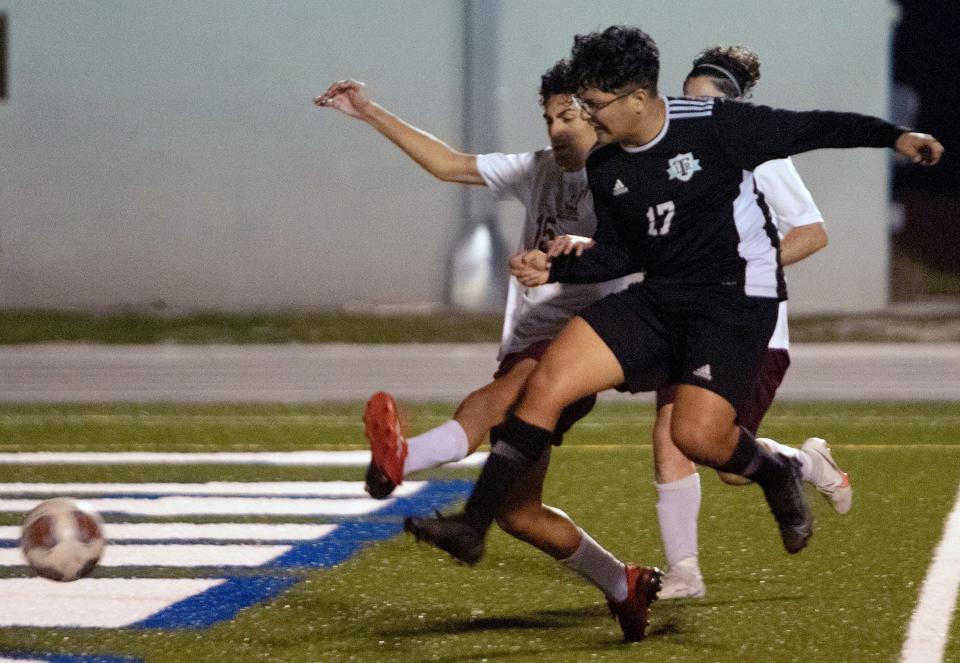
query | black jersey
[683, 207]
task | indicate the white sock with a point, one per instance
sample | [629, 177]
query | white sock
[678, 506]
[806, 463]
[444, 444]
[596, 564]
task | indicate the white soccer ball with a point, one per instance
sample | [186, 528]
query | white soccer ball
[62, 539]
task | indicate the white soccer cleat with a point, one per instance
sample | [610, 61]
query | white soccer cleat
[682, 581]
[832, 482]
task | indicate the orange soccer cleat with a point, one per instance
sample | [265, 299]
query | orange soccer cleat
[388, 446]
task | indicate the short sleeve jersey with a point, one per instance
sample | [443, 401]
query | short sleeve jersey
[557, 203]
[790, 205]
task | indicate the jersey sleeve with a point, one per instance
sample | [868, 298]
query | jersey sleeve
[507, 175]
[751, 135]
[785, 194]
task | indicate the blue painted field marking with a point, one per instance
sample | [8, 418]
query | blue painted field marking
[218, 603]
[338, 546]
[225, 601]
[349, 537]
[435, 495]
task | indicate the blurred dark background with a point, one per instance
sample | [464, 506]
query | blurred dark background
[926, 75]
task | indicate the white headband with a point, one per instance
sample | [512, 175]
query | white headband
[725, 73]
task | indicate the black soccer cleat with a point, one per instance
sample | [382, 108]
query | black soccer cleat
[452, 534]
[789, 506]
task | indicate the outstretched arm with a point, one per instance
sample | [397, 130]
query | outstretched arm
[436, 157]
[753, 134]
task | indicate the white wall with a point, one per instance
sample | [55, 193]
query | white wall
[168, 151]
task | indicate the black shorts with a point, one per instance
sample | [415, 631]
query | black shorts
[774, 366]
[709, 336]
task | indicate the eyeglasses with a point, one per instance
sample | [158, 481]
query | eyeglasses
[592, 108]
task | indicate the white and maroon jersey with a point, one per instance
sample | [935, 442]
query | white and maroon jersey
[557, 203]
[790, 204]
[684, 206]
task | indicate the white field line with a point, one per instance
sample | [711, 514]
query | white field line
[220, 506]
[259, 488]
[263, 532]
[290, 458]
[930, 625]
[172, 555]
[214, 506]
[92, 602]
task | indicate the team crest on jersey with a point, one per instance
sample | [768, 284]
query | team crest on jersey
[683, 166]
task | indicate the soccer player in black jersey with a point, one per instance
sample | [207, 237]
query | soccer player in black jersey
[673, 193]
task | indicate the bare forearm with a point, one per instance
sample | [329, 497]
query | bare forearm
[801, 242]
[433, 155]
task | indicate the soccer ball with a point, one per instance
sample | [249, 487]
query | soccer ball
[62, 539]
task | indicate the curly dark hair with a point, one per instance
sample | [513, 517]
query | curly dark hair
[741, 62]
[556, 80]
[615, 58]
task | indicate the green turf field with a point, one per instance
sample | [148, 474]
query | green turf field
[848, 597]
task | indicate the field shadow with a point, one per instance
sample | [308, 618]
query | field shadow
[540, 619]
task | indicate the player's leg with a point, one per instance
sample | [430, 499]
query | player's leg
[577, 364]
[629, 589]
[678, 507]
[815, 460]
[527, 518]
[488, 406]
[726, 339]
[393, 456]
[703, 428]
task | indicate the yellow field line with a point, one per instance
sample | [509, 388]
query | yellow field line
[593, 422]
[872, 447]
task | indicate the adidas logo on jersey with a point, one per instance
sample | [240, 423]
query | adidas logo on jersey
[704, 373]
[619, 188]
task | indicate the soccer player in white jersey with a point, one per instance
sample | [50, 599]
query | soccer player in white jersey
[552, 185]
[733, 72]
[673, 194]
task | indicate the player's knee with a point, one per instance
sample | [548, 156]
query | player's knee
[546, 388]
[693, 439]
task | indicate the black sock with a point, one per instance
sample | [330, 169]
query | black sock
[750, 460]
[518, 446]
